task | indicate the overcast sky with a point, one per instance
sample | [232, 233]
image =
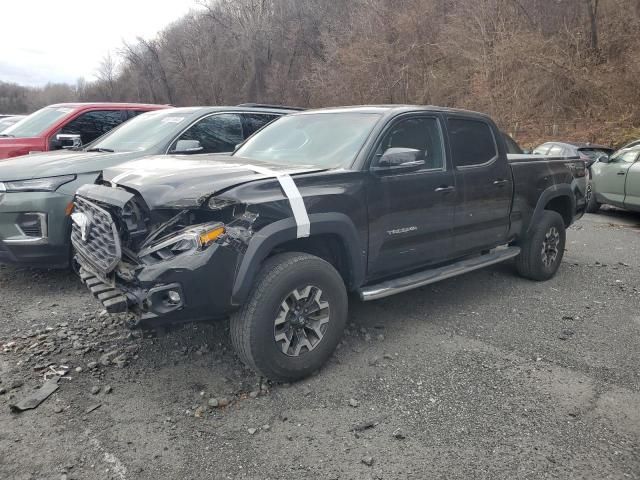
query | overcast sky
[62, 40]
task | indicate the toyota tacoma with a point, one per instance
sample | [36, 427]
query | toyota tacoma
[375, 200]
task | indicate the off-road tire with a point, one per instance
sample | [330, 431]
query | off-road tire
[252, 327]
[530, 263]
[592, 205]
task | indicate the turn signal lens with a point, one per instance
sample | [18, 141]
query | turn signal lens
[69, 210]
[207, 238]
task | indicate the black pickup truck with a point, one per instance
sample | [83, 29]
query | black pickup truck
[375, 200]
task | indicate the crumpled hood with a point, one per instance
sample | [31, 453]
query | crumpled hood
[60, 162]
[183, 181]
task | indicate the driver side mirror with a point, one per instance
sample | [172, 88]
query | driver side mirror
[187, 146]
[68, 140]
[399, 159]
[603, 159]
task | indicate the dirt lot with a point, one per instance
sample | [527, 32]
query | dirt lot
[482, 376]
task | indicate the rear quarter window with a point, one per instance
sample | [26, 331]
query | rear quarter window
[472, 142]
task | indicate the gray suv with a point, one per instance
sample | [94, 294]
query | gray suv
[36, 191]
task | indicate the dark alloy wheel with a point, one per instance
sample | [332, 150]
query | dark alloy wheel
[543, 249]
[550, 247]
[592, 204]
[302, 321]
[293, 318]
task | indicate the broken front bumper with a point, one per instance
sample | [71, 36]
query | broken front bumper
[189, 287]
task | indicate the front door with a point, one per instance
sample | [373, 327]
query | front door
[610, 178]
[632, 187]
[484, 186]
[410, 212]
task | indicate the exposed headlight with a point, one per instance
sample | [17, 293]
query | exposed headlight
[192, 239]
[48, 184]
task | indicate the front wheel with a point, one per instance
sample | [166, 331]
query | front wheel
[592, 204]
[293, 319]
[542, 252]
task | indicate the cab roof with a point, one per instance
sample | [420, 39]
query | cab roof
[393, 110]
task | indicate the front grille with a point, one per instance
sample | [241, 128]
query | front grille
[101, 245]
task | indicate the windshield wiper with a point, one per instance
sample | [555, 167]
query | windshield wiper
[6, 135]
[108, 150]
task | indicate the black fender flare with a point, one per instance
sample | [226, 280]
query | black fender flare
[265, 240]
[552, 192]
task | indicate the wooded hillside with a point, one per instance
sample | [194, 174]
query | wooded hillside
[542, 68]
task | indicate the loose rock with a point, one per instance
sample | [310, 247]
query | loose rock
[354, 403]
[368, 461]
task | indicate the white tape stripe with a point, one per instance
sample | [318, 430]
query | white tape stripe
[297, 205]
[295, 199]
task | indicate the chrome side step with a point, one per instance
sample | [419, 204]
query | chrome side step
[426, 277]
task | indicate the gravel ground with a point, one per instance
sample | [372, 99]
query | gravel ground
[482, 376]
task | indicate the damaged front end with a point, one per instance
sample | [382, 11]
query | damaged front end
[171, 263]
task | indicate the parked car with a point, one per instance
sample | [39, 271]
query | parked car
[34, 222]
[376, 200]
[66, 125]
[586, 151]
[615, 180]
[7, 120]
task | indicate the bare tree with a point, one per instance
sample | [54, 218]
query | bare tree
[107, 75]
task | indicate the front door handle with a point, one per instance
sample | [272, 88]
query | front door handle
[444, 189]
[622, 173]
[500, 181]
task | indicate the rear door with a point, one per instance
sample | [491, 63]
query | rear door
[483, 185]
[410, 213]
[610, 178]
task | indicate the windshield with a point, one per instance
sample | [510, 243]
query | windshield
[324, 140]
[7, 122]
[142, 132]
[37, 123]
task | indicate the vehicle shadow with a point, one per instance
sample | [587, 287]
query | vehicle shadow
[621, 217]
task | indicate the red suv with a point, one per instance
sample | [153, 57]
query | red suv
[66, 125]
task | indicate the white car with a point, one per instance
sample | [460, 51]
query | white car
[616, 180]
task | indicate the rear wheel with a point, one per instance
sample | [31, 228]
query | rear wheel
[542, 252]
[293, 319]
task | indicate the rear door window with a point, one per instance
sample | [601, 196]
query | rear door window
[216, 133]
[472, 142]
[92, 125]
[512, 146]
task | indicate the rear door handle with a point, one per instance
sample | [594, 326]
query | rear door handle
[622, 173]
[500, 181]
[446, 189]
